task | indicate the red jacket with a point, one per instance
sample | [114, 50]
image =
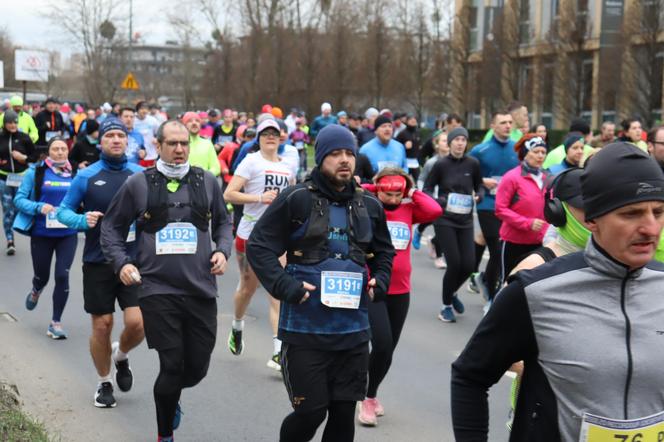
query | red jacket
[421, 208]
[519, 201]
[225, 157]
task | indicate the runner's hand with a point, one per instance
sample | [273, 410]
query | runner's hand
[46, 209]
[537, 225]
[92, 218]
[308, 287]
[489, 183]
[268, 196]
[82, 164]
[129, 275]
[218, 262]
[18, 156]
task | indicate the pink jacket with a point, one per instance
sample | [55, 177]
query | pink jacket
[519, 201]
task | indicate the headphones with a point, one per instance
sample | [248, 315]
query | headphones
[554, 212]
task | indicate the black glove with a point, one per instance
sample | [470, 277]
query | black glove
[295, 296]
[380, 290]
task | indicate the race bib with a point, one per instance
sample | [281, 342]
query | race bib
[177, 239]
[52, 221]
[383, 164]
[299, 145]
[131, 236]
[341, 289]
[400, 234]
[495, 189]
[14, 179]
[50, 134]
[459, 203]
[601, 429]
[413, 163]
[223, 139]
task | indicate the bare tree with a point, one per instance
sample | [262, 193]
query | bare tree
[92, 26]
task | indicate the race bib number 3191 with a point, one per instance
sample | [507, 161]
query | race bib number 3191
[601, 429]
[341, 289]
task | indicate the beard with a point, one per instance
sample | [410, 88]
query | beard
[338, 181]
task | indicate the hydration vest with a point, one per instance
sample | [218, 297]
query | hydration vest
[309, 244]
[334, 238]
[156, 216]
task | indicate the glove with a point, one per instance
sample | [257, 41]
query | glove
[295, 296]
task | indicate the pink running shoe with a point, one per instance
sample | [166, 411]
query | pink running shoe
[380, 411]
[367, 414]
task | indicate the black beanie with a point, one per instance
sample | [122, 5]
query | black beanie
[572, 138]
[579, 125]
[618, 175]
[380, 120]
[333, 137]
[91, 125]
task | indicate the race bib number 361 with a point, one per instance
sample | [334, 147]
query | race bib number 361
[601, 429]
[341, 289]
[177, 239]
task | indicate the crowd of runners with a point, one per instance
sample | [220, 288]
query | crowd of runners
[322, 213]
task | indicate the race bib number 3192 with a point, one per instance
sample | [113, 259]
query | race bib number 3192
[177, 239]
[601, 429]
[341, 289]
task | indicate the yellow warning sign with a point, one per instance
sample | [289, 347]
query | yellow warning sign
[130, 82]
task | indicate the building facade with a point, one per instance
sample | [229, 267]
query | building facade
[598, 59]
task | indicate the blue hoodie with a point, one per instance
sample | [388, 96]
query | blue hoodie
[94, 187]
[496, 158]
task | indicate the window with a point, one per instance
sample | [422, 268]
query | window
[473, 25]
[587, 84]
[526, 84]
[525, 12]
[548, 74]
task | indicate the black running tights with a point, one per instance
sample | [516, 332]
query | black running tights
[458, 248]
[340, 426]
[386, 319]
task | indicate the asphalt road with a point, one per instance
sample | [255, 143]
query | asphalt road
[241, 399]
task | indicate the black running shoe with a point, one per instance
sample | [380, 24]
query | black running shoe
[123, 375]
[104, 396]
[235, 343]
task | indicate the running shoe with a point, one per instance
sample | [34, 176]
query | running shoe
[480, 280]
[440, 263]
[274, 362]
[165, 439]
[457, 305]
[55, 331]
[11, 248]
[31, 300]
[472, 283]
[178, 417]
[367, 415]
[104, 396]
[380, 411]
[235, 342]
[123, 375]
[447, 315]
[417, 237]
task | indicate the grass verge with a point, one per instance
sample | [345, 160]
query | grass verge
[16, 426]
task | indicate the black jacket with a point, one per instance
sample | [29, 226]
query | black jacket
[83, 150]
[48, 122]
[20, 142]
[413, 135]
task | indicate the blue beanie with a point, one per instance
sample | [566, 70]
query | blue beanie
[334, 137]
[110, 124]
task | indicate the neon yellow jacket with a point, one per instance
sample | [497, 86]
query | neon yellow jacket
[203, 155]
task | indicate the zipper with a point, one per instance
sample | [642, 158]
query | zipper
[628, 333]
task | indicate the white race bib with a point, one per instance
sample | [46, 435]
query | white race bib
[299, 145]
[223, 139]
[131, 235]
[341, 289]
[50, 134]
[383, 164]
[177, 239]
[14, 179]
[413, 163]
[602, 429]
[459, 203]
[52, 221]
[400, 234]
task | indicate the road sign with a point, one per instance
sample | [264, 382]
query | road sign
[130, 82]
[31, 65]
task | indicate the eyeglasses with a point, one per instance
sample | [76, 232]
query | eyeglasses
[175, 143]
[270, 133]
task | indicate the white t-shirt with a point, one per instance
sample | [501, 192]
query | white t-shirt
[148, 128]
[261, 175]
[291, 157]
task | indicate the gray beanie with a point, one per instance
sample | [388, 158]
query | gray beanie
[456, 132]
[10, 116]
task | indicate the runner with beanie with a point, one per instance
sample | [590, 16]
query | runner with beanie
[339, 258]
[383, 150]
[459, 183]
[584, 324]
[573, 153]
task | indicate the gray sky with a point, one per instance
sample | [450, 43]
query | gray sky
[28, 27]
